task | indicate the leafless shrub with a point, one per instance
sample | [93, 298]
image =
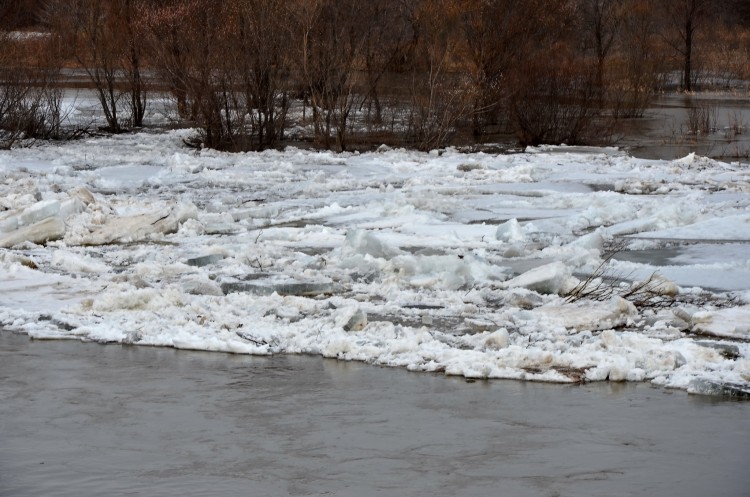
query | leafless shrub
[728, 57]
[499, 36]
[701, 119]
[419, 73]
[16, 93]
[226, 71]
[432, 80]
[30, 101]
[736, 126]
[330, 44]
[102, 40]
[436, 109]
[602, 285]
[556, 102]
[736, 150]
[637, 63]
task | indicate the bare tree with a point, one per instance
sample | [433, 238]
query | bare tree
[330, 38]
[641, 59]
[549, 70]
[29, 97]
[387, 43]
[498, 36]
[130, 12]
[107, 43]
[227, 65]
[263, 40]
[441, 91]
[191, 47]
[553, 92]
[15, 90]
[684, 18]
[170, 31]
[17, 14]
[555, 100]
[90, 28]
[601, 21]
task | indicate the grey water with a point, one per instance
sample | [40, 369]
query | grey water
[665, 131]
[83, 419]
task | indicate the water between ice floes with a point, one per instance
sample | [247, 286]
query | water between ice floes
[81, 419]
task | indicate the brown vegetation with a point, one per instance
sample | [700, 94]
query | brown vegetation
[422, 73]
[29, 98]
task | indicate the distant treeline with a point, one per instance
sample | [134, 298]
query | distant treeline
[420, 73]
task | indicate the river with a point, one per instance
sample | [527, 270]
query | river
[83, 419]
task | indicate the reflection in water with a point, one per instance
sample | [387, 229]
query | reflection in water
[665, 131]
[82, 419]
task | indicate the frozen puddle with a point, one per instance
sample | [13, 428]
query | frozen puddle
[472, 265]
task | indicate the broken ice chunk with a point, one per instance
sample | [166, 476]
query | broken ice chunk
[197, 286]
[44, 231]
[281, 286]
[82, 194]
[703, 386]
[71, 206]
[364, 242]
[354, 317]
[39, 211]
[510, 231]
[138, 227]
[551, 278]
[205, 260]
[218, 223]
[497, 340]
[590, 316]
[8, 223]
[733, 322]
[77, 263]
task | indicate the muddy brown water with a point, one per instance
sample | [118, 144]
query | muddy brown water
[81, 419]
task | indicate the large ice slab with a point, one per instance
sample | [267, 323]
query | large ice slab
[51, 228]
[553, 278]
[124, 229]
[280, 285]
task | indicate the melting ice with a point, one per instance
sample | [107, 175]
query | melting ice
[480, 265]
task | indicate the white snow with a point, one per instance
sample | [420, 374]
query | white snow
[446, 261]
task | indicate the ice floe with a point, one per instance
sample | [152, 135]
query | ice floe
[451, 262]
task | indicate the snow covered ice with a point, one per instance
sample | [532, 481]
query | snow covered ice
[444, 262]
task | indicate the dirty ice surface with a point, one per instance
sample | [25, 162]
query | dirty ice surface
[486, 266]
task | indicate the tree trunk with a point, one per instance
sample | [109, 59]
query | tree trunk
[687, 76]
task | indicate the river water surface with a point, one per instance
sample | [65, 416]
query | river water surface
[666, 130]
[82, 419]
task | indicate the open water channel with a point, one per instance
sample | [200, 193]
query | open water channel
[82, 419]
